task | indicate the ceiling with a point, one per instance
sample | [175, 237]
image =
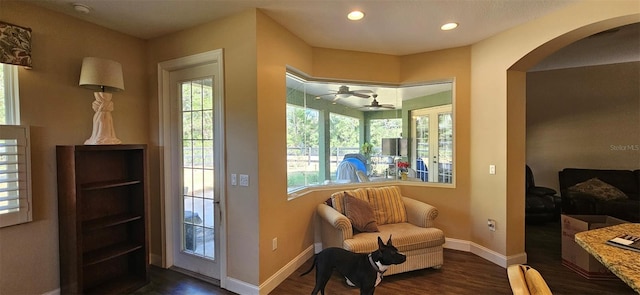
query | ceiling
[396, 27]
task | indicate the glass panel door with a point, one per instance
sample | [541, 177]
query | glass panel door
[196, 207]
[432, 130]
[198, 167]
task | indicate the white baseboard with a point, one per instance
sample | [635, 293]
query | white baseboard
[484, 252]
[241, 287]
[282, 274]
[520, 258]
[496, 257]
[54, 292]
[456, 244]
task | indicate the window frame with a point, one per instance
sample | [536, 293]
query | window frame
[14, 154]
[11, 95]
[443, 93]
[291, 189]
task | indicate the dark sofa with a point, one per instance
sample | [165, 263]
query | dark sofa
[574, 202]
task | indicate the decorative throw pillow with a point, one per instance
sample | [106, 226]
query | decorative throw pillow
[360, 214]
[337, 198]
[599, 189]
[387, 204]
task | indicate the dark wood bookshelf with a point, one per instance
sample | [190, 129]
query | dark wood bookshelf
[103, 218]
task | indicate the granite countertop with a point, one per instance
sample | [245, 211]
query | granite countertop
[623, 263]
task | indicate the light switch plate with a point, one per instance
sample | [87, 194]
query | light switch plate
[234, 179]
[244, 180]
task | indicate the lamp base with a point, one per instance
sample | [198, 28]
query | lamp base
[92, 141]
[103, 132]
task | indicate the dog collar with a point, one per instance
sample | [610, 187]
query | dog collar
[374, 265]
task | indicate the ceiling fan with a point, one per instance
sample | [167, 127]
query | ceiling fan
[376, 105]
[344, 92]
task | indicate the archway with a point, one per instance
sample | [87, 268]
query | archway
[498, 92]
[516, 88]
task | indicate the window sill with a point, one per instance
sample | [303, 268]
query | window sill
[354, 185]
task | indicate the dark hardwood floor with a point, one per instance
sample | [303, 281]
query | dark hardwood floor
[544, 251]
[462, 273]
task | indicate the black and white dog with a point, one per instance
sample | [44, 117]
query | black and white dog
[361, 270]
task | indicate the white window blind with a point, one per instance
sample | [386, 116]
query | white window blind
[15, 178]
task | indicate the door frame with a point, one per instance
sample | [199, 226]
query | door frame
[433, 144]
[165, 164]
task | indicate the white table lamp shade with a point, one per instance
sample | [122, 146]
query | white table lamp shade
[101, 75]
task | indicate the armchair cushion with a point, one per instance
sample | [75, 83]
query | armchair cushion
[406, 237]
[360, 214]
[599, 189]
[387, 204]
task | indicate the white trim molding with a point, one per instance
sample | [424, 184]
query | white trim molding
[485, 253]
[272, 282]
[164, 115]
[496, 257]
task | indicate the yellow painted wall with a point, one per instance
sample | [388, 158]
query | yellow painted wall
[236, 35]
[355, 66]
[59, 113]
[279, 218]
[452, 203]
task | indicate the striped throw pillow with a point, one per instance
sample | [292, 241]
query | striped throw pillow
[387, 204]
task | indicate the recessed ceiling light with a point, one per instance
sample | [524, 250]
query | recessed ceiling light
[449, 26]
[355, 15]
[81, 8]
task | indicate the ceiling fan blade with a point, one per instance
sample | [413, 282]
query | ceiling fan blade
[323, 95]
[362, 91]
[360, 95]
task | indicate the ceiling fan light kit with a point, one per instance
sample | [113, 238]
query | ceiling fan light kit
[376, 105]
[344, 92]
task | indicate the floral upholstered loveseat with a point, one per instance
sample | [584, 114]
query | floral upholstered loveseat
[409, 223]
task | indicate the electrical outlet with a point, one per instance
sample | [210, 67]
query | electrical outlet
[244, 180]
[491, 224]
[274, 244]
[234, 179]
[492, 169]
